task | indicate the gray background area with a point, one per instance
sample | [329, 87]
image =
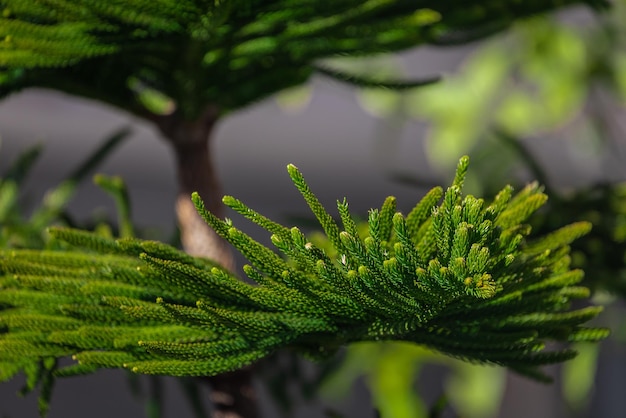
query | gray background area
[341, 150]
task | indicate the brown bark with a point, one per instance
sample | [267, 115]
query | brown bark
[232, 393]
[196, 173]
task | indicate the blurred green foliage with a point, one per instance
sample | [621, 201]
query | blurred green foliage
[546, 76]
[20, 230]
[180, 56]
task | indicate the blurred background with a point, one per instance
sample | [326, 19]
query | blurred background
[543, 101]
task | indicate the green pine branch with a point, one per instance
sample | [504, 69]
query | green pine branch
[457, 274]
[224, 53]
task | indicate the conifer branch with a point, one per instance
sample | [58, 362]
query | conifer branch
[484, 291]
[231, 53]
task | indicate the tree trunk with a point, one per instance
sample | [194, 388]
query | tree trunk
[232, 393]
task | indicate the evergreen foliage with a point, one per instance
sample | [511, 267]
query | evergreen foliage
[462, 277]
[603, 251]
[137, 54]
[20, 230]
